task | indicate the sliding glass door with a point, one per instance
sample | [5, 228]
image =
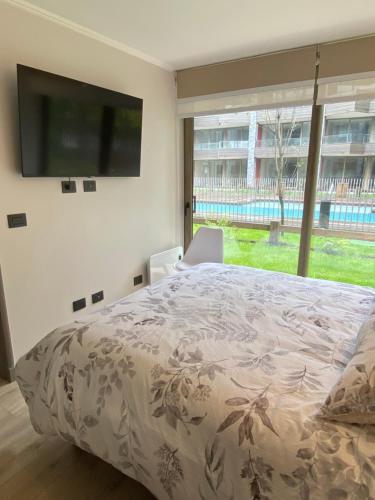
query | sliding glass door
[249, 177]
[253, 187]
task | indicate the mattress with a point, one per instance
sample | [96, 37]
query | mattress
[207, 384]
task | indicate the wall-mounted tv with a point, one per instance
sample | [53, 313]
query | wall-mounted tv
[72, 129]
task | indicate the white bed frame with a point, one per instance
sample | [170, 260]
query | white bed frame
[164, 264]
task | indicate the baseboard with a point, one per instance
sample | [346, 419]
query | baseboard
[12, 374]
[8, 373]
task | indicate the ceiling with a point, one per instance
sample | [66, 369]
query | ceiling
[178, 34]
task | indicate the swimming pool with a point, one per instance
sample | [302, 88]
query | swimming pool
[270, 210]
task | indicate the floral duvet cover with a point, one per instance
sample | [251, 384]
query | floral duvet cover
[206, 386]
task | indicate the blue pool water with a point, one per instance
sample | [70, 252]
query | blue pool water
[293, 210]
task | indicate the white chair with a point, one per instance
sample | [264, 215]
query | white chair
[206, 246]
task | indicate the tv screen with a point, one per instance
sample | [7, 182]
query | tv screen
[72, 129]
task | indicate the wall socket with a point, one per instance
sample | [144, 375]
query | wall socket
[68, 186]
[89, 186]
[17, 220]
[97, 297]
[79, 304]
[138, 279]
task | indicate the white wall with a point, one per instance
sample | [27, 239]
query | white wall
[76, 244]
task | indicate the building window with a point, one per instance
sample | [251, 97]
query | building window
[350, 130]
[343, 167]
[220, 169]
[208, 136]
[236, 168]
[221, 138]
[237, 134]
[293, 134]
[294, 168]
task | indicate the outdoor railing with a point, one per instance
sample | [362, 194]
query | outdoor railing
[348, 203]
[221, 145]
[351, 138]
[287, 142]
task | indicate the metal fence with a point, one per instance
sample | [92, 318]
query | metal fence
[341, 204]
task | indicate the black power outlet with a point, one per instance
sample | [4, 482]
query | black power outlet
[68, 186]
[17, 220]
[79, 304]
[97, 297]
[89, 186]
[138, 279]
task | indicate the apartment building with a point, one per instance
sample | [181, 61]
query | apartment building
[246, 145]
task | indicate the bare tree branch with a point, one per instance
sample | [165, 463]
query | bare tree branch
[276, 126]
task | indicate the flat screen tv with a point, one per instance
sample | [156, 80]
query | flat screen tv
[72, 129]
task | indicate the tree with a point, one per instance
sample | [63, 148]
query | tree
[281, 124]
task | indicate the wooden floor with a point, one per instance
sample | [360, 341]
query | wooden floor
[36, 468]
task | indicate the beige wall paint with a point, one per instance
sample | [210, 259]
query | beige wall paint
[76, 244]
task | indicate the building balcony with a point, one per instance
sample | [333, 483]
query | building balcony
[291, 142]
[333, 145]
[349, 138]
[288, 115]
[221, 150]
[227, 120]
[292, 148]
[349, 109]
[348, 144]
[222, 145]
[367, 149]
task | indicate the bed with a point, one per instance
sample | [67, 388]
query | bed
[206, 386]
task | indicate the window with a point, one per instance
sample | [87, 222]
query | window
[222, 138]
[267, 185]
[258, 198]
[219, 170]
[237, 134]
[208, 169]
[294, 133]
[235, 168]
[208, 136]
[337, 130]
[343, 243]
[349, 130]
[359, 130]
[343, 167]
[294, 168]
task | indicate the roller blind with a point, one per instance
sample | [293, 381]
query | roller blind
[346, 89]
[245, 100]
[347, 57]
[347, 72]
[251, 73]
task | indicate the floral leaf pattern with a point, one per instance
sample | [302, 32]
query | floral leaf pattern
[207, 385]
[214, 469]
[169, 469]
[182, 380]
[352, 399]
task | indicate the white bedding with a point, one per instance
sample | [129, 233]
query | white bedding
[206, 386]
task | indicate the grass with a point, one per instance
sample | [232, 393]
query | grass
[349, 261]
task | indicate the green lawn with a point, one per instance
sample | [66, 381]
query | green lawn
[350, 261]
